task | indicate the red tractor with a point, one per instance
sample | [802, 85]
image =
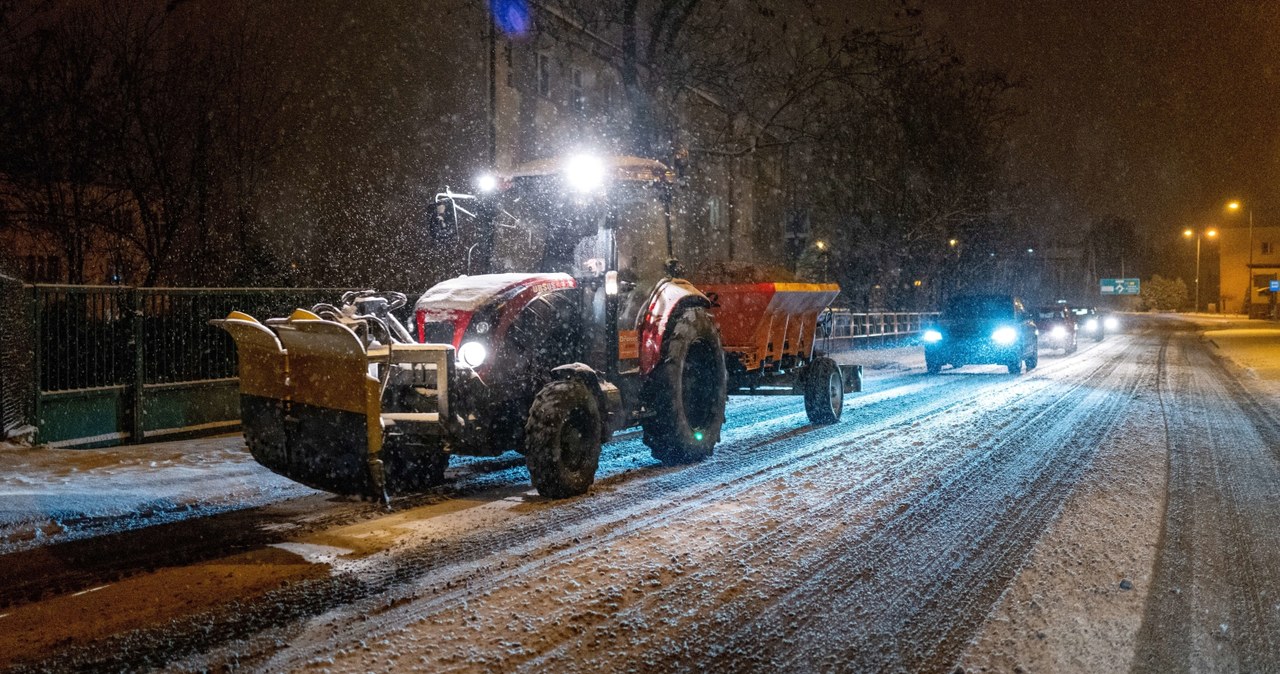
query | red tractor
[604, 335]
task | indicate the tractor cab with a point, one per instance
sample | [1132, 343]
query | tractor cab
[603, 221]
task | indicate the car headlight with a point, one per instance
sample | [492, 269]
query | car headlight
[1058, 331]
[472, 354]
[1091, 325]
[931, 337]
[1004, 336]
[1111, 322]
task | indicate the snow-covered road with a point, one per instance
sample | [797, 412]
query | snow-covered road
[974, 518]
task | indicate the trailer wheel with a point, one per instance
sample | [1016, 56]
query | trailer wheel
[562, 439]
[687, 391]
[823, 391]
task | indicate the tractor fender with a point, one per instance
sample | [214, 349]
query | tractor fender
[607, 395]
[669, 298]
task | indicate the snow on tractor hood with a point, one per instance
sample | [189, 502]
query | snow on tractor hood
[617, 167]
[466, 294]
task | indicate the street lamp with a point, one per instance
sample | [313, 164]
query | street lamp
[825, 256]
[1234, 205]
[1209, 233]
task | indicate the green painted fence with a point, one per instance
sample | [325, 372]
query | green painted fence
[105, 365]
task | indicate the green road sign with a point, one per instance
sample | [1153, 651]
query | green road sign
[1121, 286]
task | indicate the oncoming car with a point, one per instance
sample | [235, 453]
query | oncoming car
[1095, 324]
[1057, 326]
[982, 329]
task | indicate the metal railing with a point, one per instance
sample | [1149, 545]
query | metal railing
[91, 365]
[95, 336]
[855, 330]
[17, 381]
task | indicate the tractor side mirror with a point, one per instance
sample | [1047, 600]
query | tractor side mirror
[443, 219]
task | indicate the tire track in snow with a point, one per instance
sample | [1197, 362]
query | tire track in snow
[1215, 599]
[777, 639]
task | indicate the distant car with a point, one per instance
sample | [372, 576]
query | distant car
[1094, 324]
[1057, 325]
[982, 329]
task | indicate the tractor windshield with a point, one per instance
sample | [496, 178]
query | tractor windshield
[546, 228]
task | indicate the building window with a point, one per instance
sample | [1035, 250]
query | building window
[1266, 248]
[544, 75]
[577, 94]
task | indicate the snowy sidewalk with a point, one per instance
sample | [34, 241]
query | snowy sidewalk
[1253, 346]
[51, 495]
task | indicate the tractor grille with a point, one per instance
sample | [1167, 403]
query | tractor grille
[437, 332]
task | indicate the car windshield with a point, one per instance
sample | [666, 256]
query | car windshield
[980, 307]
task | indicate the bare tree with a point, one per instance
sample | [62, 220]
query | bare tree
[250, 131]
[54, 136]
[162, 83]
[917, 162]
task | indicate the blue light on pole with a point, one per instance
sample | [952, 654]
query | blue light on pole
[511, 16]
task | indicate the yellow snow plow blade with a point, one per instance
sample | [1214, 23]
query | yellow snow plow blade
[311, 403]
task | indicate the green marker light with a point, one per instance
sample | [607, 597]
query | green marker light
[697, 435]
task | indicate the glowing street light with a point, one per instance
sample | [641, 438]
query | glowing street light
[826, 258]
[1198, 234]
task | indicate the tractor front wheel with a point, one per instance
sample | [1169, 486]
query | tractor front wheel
[686, 391]
[562, 439]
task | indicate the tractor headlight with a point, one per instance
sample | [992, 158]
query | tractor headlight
[487, 182]
[1058, 332]
[1091, 325]
[585, 173]
[1004, 336]
[1111, 323]
[472, 354]
[931, 337]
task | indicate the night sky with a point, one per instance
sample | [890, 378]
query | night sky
[1158, 111]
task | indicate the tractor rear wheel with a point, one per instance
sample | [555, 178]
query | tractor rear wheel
[687, 390]
[823, 391]
[562, 439]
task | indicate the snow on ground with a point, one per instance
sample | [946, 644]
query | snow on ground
[49, 495]
[1255, 350]
[1078, 603]
[1075, 605]
[1251, 346]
